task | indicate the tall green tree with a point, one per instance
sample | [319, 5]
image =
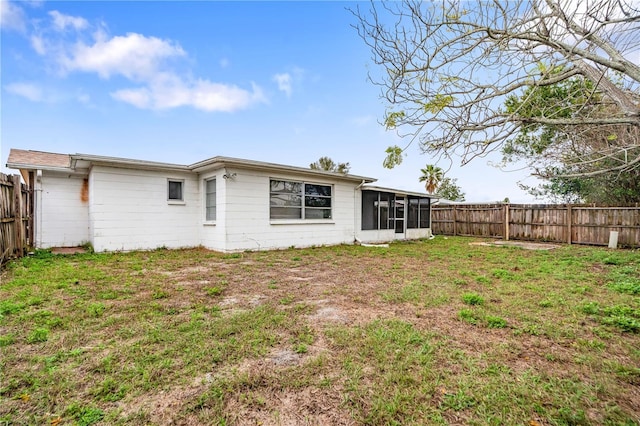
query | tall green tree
[449, 190]
[432, 177]
[328, 165]
[578, 163]
[447, 66]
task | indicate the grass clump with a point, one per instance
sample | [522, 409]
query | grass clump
[468, 315]
[472, 299]
[623, 317]
[495, 322]
[39, 335]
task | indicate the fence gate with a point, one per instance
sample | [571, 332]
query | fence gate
[16, 217]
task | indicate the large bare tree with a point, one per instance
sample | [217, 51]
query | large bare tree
[449, 67]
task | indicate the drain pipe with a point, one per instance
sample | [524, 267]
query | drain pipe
[37, 187]
[355, 209]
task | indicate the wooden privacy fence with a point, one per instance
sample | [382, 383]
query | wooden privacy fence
[16, 217]
[564, 223]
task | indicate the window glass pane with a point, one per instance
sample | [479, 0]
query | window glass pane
[286, 213]
[317, 201]
[211, 186]
[282, 200]
[317, 213]
[322, 190]
[175, 190]
[286, 186]
[211, 199]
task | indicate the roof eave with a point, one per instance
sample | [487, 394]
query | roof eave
[25, 166]
[127, 163]
[273, 167]
[399, 191]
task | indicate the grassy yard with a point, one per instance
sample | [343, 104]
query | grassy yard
[428, 332]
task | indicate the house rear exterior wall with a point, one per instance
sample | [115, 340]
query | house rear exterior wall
[247, 223]
[212, 234]
[63, 213]
[129, 210]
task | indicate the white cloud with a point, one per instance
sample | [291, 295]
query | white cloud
[62, 21]
[12, 17]
[170, 91]
[134, 56]
[147, 61]
[30, 91]
[39, 45]
[284, 83]
[140, 98]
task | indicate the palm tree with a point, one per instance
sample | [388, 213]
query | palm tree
[431, 176]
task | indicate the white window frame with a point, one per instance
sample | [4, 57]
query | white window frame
[175, 200]
[215, 200]
[303, 207]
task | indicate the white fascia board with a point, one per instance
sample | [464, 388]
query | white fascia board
[126, 163]
[217, 162]
[21, 166]
[398, 191]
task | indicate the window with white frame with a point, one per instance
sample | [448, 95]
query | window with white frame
[210, 199]
[299, 200]
[175, 190]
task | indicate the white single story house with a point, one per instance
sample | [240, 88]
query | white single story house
[224, 204]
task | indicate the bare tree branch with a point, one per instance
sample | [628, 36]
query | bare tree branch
[448, 67]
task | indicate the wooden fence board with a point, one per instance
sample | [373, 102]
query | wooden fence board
[578, 224]
[16, 217]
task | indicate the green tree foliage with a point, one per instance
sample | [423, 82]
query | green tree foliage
[579, 163]
[449, 190]
[432, 177]
[328, 165]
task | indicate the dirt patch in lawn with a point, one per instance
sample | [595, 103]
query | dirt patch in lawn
[520, 244]
[68, 250]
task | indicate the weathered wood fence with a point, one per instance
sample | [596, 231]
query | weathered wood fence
[16, 217]
[565, 223]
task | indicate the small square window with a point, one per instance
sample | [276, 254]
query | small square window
[175, 190]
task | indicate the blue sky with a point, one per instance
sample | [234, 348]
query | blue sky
[180, 82]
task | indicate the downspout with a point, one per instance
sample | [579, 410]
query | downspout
[37, 188]
[355, 209]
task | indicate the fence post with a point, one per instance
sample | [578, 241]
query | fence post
[17, 214]
[569, 219]
[506, 222]
[454, 220]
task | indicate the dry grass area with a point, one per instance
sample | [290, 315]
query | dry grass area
[427, 332]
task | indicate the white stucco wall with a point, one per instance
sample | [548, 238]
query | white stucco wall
[212, 233]
[129, 210]
[247, 226]
[62, 218]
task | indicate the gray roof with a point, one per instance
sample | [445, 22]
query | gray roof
[32, 160]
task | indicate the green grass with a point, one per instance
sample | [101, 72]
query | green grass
[422, 332]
